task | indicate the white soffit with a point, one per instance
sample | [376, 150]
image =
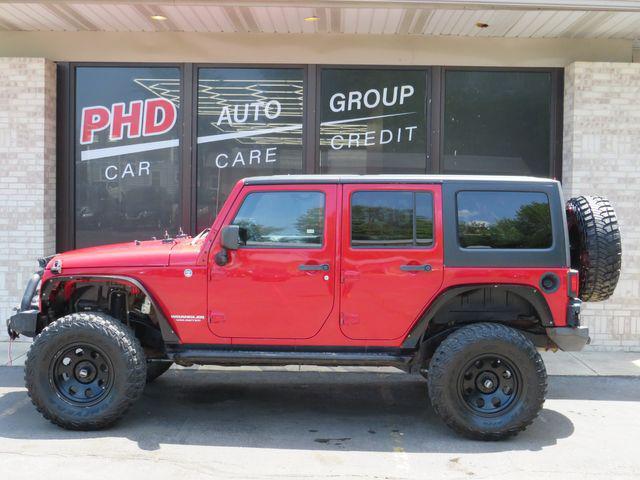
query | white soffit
[507, 19]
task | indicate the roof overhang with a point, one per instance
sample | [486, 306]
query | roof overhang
[618, 19]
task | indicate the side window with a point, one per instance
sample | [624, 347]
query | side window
[391, 219]
[282, 219]
[514, 220]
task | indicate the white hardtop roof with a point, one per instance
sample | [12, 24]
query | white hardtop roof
[305, 179]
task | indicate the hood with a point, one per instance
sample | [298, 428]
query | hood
[152, 253]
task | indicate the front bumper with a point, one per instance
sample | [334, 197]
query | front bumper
[23, 323]
[25, 320]
[569, 339]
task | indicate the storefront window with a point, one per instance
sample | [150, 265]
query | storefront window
[373, 121]
[250, 122]
[150, 153]
[497, 122]
[127, 175]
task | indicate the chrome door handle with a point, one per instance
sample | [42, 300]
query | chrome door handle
[415, 268]
[310, 268]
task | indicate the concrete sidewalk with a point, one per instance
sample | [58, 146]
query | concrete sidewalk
[585, 363]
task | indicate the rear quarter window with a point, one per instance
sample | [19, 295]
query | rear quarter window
[504, 220]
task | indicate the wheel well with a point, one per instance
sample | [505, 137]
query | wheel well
[118, 298]
[521, 307]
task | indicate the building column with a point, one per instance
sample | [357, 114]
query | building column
[28, 178]
[601, 156]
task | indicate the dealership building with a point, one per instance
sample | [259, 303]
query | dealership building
[120, 120]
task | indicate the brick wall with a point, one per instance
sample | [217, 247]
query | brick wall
[602, 156]
[28, 174]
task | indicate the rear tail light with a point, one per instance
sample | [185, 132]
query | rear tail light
[573, 281]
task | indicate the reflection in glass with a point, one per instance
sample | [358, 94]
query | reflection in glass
[386, 219]
[497, 123]
[250, 122]
[122, 195]
[424, 219]
[504, 220]
[282, 219]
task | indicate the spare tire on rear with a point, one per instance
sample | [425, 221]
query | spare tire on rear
[596, 249]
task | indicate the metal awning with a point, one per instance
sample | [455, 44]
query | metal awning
[501, 18]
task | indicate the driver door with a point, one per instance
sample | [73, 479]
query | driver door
[280, 283]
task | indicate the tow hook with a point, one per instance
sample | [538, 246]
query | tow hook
[12, 333]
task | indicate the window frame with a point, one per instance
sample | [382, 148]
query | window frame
[511, 250]
[434, 77]
[414, 246]
[289, 246]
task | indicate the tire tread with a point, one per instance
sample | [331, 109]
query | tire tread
[115, 331]
[599, 236]
[455, 345]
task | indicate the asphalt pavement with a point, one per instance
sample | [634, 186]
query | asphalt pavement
[322, 423]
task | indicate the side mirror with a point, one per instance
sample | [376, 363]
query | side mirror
[230, 237]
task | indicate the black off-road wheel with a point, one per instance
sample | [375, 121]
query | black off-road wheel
[596, 247]
[487, 381]
[155, 369]
[84, 371]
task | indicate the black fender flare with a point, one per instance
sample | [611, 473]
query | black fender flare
[532, 294]
[168, 334]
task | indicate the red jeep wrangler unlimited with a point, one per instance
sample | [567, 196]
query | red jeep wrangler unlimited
[458, 278]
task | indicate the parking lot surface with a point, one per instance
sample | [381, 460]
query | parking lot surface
[321, 423]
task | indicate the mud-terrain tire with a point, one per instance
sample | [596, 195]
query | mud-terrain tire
[491, 353]
[155, 369]
[84, 371]
[595, 245]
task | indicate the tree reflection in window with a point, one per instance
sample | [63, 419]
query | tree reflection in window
[282, 219]
[386, 219]
[424, 219]
[512, 220]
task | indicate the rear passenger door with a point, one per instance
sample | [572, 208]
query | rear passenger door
[391, 264]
